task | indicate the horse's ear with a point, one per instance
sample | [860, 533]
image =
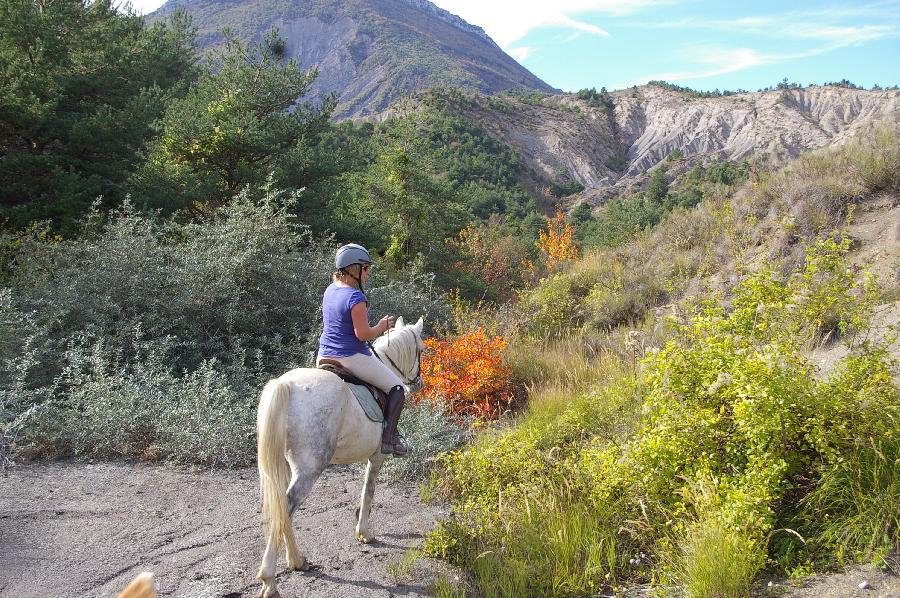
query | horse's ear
[419, 325]
[399, 323]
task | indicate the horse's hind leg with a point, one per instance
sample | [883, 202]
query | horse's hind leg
[267, 568]
[300, 487]
[365, 503]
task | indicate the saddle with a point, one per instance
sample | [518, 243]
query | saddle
[330, 365]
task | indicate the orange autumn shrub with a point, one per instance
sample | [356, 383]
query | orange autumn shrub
[467, 375]
[557, 244]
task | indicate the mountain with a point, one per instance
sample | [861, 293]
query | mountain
[379, 54]
[369, 52]
[608, 147]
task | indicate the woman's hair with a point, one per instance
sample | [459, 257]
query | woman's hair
[343, 272]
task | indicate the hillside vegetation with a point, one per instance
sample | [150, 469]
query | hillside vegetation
[142, 322]
[601, 145]
[701, 448]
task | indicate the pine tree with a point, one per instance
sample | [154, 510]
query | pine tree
[242, 122]
[82, 85]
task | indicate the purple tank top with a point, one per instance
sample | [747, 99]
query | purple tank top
[338, 338]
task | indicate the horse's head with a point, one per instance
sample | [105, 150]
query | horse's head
[400, 348]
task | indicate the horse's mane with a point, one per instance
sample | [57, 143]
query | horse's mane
[402, 344]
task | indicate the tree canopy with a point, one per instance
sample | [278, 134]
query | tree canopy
[82, 84]
[240, 123]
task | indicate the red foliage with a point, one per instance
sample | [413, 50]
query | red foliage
[467, 375]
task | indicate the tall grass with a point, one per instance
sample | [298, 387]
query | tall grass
[717, 561]
[622, 423]
[854, 512]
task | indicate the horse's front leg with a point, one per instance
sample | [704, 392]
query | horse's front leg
[368, 492]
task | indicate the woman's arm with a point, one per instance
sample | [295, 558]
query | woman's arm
[361, 327]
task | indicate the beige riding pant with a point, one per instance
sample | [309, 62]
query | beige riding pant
[368, 368]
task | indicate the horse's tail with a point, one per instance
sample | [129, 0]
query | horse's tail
[274, 473]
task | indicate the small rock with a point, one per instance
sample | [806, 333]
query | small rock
[864, 585]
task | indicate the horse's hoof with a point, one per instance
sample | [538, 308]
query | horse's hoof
[267, 592]
[365, 538]
[301, 565]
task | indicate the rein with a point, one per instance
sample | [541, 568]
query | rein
[409, 381]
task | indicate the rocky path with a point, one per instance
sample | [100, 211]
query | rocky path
[72, 530]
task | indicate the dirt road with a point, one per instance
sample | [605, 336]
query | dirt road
[70, 530]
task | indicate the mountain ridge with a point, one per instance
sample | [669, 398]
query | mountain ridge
[610, 150]
[381, 56]
[369, 52]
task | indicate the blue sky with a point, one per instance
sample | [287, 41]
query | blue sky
[572, 44]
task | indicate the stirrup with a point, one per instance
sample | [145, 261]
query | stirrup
[391, 448]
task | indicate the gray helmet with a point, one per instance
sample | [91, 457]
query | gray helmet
[351, 254]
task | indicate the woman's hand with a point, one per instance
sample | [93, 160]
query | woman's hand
[361, 328]
[387, 322]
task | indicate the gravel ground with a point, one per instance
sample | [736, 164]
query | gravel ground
[856, 582]
[75, 529]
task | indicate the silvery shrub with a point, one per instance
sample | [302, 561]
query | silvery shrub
[151, 338]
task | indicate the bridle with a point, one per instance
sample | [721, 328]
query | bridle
[415, 381]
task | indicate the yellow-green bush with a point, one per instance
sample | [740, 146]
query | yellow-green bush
[605, 290]
[573, 503]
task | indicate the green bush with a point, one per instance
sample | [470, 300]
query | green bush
[729, 404]
[603, 291]
[150, 337]
[876, 161]
[852, 514]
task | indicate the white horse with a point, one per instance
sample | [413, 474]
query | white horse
[307, 419]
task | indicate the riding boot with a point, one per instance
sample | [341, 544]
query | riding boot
[391, 442]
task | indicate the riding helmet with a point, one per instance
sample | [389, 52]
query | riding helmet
[351, 254]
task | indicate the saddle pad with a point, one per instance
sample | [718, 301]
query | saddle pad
[367, 402]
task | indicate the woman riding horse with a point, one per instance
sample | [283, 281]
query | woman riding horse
[308, 418]
[346, 317]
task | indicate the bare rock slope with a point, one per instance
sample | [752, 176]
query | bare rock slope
[560, 137]
[654, 122]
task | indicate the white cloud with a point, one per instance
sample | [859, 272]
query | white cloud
[712, 61]
[520, 53]
[845, 36]
[508, 21]
[570, 38]
[826, 29]
[825, 25]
